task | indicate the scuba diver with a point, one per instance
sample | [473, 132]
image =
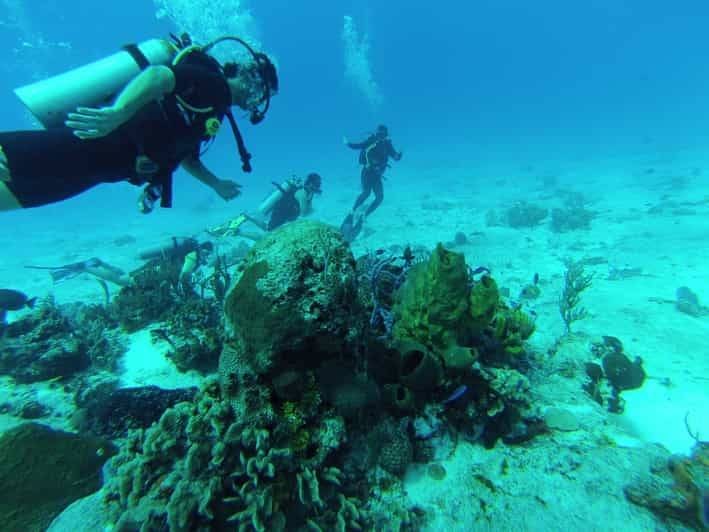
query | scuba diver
[289, 201]
[374, 156]
[178, 248]
[168, 102]
[187, 253]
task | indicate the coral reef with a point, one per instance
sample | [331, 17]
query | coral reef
[111, 412]
[203, 467]
[380, 275]
[525, 214]
[620, 372]
[195, 334]
[453, 332]
[154, 295]
[188, 311]
[59, 341]
[432, 305]
[677, 488]
[314, 415]
[570, 219]
[43, 470]
[293, 295]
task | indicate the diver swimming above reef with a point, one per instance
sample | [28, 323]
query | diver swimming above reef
[290, 200]
[137, 116]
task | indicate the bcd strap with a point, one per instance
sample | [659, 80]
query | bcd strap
[137, 55]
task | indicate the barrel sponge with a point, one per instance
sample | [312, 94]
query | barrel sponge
[484, 300]
[432, 305]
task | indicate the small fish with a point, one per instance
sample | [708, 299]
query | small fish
[457, 394]
[13, 300]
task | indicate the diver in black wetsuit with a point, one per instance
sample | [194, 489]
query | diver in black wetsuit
[291, 201]
[295, 202]
[374, 156]
[159, 121]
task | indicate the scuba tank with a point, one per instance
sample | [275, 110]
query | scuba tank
[281, 190]
[94, 84]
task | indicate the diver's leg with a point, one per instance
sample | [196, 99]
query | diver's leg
[258, 223]
[366, 189]
[360, 199]
[48, 166]
[8, 201]
[378, 188]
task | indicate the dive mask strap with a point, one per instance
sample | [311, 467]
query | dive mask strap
[243, 152]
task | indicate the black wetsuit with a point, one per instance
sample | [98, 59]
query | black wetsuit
[374, 156]
[52, 165]
[285, 210]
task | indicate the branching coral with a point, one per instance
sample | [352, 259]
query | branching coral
[576, 280]
[384, 273]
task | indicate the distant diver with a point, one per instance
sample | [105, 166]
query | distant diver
[187, 252]
[374, 155]
[291, 200]
[136, 116]
[93, 266]
[178, 248]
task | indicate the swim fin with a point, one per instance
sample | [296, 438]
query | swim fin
[351, 229]
[231, 228]
[346, 225]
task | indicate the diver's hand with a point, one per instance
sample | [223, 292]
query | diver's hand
[93, 123]
[227, 189]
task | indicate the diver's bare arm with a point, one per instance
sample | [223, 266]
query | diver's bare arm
[225, 188]
[151, 84]
[196, 169]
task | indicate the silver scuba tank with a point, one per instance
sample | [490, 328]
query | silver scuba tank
[267, 205]
[49, 100]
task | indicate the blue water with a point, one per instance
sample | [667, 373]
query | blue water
[460, 81]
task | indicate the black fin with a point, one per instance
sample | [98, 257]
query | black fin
[353, 229]
[346, 225]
